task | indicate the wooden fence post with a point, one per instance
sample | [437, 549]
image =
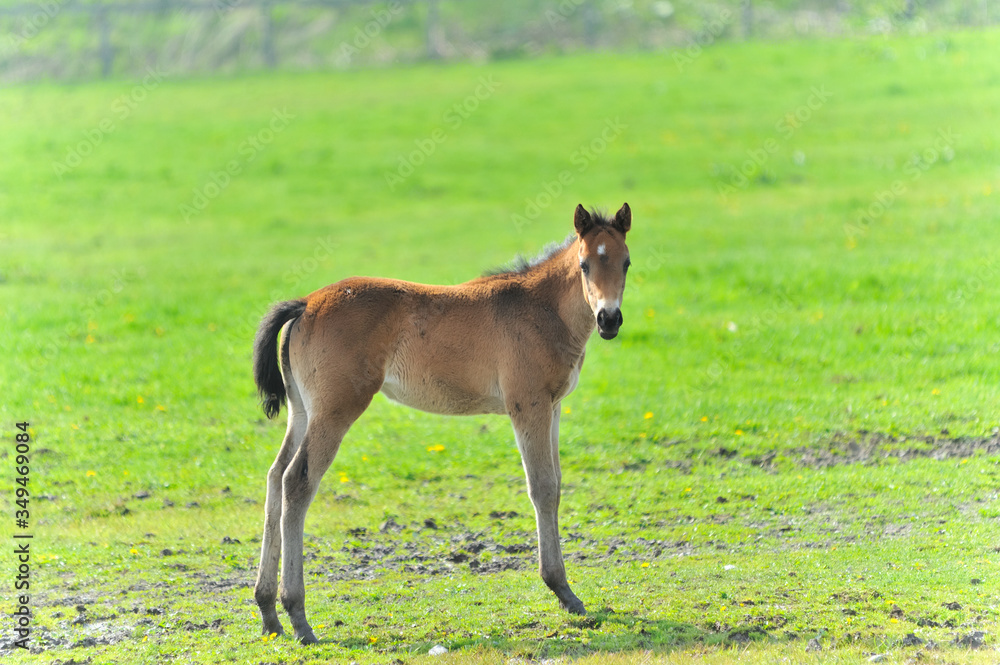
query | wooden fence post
[435, 33]
[106, 51]
[267, 35]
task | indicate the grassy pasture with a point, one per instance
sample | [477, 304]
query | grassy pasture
[795, 435]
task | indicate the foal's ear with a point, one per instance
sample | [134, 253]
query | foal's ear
[582, 220]
[623, 219]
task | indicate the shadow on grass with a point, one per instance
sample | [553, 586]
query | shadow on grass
[603, 630]
[627, 631]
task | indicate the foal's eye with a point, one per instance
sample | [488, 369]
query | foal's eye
[628, 262]
[585, 267]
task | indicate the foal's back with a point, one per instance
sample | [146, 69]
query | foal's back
[442, 349]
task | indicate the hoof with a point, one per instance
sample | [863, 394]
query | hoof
[306, 637]
[272, 627]
[574, 606]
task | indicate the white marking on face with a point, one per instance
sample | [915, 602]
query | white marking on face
[610, 305]
[602, 250]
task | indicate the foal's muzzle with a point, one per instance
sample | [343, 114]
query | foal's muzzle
[608, 323]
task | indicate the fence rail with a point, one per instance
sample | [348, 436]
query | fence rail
[79, 39]
[34, 18]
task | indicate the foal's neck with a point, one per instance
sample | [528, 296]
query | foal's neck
[561, 275]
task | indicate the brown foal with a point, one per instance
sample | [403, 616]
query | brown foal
[511, 343]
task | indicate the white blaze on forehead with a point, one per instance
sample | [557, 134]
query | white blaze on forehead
[602, 250]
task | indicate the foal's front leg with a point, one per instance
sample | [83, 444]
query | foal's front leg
[536, 426]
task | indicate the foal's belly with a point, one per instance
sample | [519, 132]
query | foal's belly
[438, 394]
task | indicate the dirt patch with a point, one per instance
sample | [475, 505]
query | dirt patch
[103, 631]
[496, 565]
[503, 515]
[864, 447]
[434, 550]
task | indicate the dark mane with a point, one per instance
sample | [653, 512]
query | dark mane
[600, 218]
[519, 265]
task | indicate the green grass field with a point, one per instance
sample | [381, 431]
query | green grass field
[795, 435]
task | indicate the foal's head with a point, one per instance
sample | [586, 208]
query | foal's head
[604, 261]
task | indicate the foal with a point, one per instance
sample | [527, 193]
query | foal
[510, 343]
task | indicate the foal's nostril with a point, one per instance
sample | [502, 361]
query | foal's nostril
[608, 321]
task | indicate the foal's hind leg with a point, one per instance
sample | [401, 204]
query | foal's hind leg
[536, 429]
[266, 588]
[299, 484]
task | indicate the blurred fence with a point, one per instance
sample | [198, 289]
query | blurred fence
[76, 39]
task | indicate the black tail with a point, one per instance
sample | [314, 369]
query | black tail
[266, 372]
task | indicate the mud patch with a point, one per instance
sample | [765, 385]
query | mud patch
[864, 447]
[215, 625]
[438, 550]
[496, 565]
